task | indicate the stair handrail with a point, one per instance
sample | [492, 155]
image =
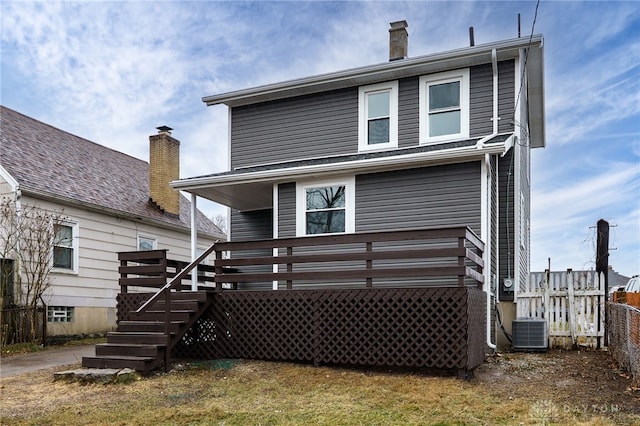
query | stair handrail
[177, 279]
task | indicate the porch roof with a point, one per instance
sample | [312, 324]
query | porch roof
[251, 188]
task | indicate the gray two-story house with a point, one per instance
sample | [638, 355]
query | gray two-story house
[377, 214]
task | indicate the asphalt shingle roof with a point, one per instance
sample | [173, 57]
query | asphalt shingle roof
[50, 161]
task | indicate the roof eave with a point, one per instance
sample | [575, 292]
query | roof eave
[535, 96]
[453, 59]
[253, 190]
[67, 201]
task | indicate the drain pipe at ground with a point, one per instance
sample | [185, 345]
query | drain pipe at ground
[494, 65]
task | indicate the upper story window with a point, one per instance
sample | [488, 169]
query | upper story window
[378, 112]
[325, 207]
[65, 247]
[444, 106]
[147, 243]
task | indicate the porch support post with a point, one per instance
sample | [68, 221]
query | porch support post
[194, 242]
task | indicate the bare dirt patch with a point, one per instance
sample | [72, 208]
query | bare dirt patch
[575, 381]
[518, 388]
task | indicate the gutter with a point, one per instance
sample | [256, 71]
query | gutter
[372, 164]
[458, 58]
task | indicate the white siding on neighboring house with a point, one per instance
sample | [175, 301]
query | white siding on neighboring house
[93, 289]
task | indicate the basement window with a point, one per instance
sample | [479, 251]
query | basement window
[147, 243]
[60, 313]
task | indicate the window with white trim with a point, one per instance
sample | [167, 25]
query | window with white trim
[325, 207]
[378, 116]
[65, 247]
[59, 313]
[444, 106]
[147, 243]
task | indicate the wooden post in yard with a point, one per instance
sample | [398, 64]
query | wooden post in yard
[602, 267]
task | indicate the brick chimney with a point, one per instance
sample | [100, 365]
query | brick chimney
[164, 167]
[398, 41]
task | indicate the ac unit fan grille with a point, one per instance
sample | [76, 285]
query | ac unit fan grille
[530, 335]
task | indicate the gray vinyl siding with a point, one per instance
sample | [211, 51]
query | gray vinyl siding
[481, 98]
[506, 95]
[309, 126]
[525, 189]
[326, 124]
[287, 210]
[408, 113]
[493, 266]
[253, 225]
[481, 101]
[417, 198]
[506, 167]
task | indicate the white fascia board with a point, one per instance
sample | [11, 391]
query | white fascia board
[453, 59]
[535, 96]
[4, 174]
[366, 165]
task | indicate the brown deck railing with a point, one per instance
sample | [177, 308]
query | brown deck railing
[368, 257]
[152, 269]
[152, 272]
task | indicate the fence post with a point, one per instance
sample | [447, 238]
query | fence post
[571, 308]
[369, 263]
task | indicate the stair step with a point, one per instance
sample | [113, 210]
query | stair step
[128, 349]
[149, 326]
[158, 315]
[177, 305]
[133, 337]
[200, 296]
[138, 363]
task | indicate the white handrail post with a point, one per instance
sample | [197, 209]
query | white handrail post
[194, 242]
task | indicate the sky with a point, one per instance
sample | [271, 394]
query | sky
[111, 72]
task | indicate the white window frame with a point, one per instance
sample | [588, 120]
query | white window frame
[461, 75]
[146, 237]
[349, 184]
[363, 93]
[75, 237]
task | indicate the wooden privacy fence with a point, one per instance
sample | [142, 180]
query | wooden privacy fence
[572, 302]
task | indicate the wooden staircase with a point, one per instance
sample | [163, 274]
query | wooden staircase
[141, 343]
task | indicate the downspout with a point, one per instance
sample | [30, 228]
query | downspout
[495, 118]
[194, 242]
[486, 198]
[494, 65]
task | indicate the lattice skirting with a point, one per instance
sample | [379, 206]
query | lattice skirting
[416, 327]
[128, 302]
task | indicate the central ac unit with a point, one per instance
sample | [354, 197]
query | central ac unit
[529, 334]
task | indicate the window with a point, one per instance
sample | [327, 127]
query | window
[378, 111]
[325, 208]
[444, 106]
[147, 243]
[60, 313]
[65, 250]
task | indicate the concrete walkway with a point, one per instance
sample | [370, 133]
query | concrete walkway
[48, 358]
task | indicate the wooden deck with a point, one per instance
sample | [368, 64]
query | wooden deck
[399, 298]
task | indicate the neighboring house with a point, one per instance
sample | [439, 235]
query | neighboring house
[110, 201]
[429, 141]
